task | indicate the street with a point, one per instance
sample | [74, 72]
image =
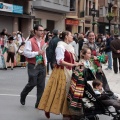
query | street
[12, 83]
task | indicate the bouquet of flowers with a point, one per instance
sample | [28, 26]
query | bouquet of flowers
[97, 63]
[40, 58]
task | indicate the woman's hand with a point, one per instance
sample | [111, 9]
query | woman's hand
[78, 64]
[95, 58]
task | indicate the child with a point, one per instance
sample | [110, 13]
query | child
[97, 86]
[104, 97]
[22, 57]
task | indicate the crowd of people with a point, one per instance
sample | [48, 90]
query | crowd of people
[67, 55]
[9, 49]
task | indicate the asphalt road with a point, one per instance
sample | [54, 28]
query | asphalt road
[11, 84]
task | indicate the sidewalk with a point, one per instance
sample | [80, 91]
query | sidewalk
[113, 79]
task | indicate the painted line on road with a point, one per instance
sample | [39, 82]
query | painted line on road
[14, 95]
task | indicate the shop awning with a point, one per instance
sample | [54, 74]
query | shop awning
[16, 15]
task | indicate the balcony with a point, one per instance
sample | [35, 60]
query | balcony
[49, 5]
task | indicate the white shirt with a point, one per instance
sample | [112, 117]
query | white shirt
[19, 39]
[59, 54]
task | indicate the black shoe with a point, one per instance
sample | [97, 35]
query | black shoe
[11, 68]
[5, 68]
[36, 105]
[22, 101]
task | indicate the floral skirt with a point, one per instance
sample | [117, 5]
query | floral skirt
[54, 98]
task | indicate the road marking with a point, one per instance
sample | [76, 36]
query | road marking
[14, 95]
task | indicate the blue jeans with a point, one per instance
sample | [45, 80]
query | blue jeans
[109, 59]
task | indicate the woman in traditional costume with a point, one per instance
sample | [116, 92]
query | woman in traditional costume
[54, 98]
[95, 52]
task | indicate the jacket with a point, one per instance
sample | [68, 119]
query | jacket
[115, 45]
[52, 47]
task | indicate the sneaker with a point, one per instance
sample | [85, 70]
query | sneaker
[11, 68]
[108, 69]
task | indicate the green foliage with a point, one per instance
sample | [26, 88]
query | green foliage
[110, 16]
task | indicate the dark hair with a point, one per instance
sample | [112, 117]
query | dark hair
[96, 83]
[108, 34]
[63, 34]
[75, 39]
[46, 29]
[89, 33]
[36, 27]
[76, 34]
[47, 37]
[84, 51]
[99, 38]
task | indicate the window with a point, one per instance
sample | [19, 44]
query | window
[36, 22]
[72, 5]
[106, 10]
[101, 12]
[65, 2]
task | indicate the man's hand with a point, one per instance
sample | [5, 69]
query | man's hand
[40, 52]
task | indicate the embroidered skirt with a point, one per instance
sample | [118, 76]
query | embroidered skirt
[54, 98]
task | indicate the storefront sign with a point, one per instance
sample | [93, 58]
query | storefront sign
[71, 22]
[17, 9]
[11, 8]
[6, 7]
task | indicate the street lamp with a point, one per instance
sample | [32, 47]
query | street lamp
[93, 13]
[110, 15]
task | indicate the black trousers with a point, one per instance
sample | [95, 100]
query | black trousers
[116, 61]
[36, 78]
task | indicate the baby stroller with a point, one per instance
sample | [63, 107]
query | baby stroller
[92, 106]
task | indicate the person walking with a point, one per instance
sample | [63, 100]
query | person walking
[52, 46]
[54, 98]
[115, 47]
[108, 51]
[11, 48]
[36, 70]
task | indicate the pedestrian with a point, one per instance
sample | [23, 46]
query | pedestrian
[52, 46]
[80, 44]
[22, 57]
[115, 47]
[108, 51]
[74, 43]
[54, 98]
[11, 51]
[47, 40]
[36, 72]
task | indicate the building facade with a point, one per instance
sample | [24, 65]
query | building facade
[50, 13]
[80, 19]
[104, 11]
[15, 15]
